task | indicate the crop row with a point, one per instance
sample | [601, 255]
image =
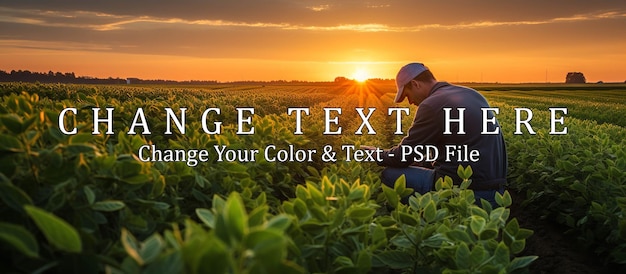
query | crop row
[577, 179]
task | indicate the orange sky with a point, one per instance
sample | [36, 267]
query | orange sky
[482, 40]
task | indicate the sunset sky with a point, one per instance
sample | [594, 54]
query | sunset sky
[460, 40]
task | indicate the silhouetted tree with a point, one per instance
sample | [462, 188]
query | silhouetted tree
[575, 78]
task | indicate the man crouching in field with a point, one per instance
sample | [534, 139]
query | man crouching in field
[455, 122]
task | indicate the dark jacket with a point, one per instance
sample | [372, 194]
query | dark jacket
[489, 172]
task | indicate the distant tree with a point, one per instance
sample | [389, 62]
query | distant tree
[340, 79]
[575, 78]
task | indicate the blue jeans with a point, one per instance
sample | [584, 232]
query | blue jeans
[422, 180]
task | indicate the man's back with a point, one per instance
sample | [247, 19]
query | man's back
[455, 146]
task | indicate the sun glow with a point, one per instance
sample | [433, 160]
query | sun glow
[360, 75]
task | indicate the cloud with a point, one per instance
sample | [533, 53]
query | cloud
[319, 7]
[52, 45]
[102, 21]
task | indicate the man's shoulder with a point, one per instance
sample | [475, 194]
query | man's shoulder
[457, 90]
[447, 85]
[451, 95]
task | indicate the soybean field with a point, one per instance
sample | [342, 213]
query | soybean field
[232, 178]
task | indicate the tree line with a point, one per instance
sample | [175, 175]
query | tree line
[70, 77]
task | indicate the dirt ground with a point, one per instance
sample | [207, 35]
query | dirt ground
[557, 253]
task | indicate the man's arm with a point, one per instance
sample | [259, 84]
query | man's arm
[425, 130]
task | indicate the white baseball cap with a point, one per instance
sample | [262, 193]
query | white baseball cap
[405, 75]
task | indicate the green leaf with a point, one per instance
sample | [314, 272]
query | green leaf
[477, 224]
[81, 148]
[400, 185]
[131, 246]
[302, 192]
[208, 256]
[488, 234]
[430, 212]
[81, 138]
[392, 196]
[137, 179]
[500, 213]
[10, 143]
[407, 218]
[364, 261]
[151, 248]
[20, 238]
[578, 186]
[170, 262]
[313, 226]
[313, 171]
[465, 184]
[25, 105]
[108, 206]
[517, 246]
[91, 197]
[58, 232]
[257, 216]
[279, 222]
[12, 122]
[343, 261]
[458, 235]
[361, 213]
[154, 204]
[501, 255]
[318, 212]
[462, 256]
[357, 193]
[299, 208]
[158, 186]
[327, 187]
[523, 233]
[235, 217]
[512, 227]
[261, 199]
[460, 172]
[520, 263]
[13, 196]
[504, 200]
[316, 195]
[378, 234]
[468, 172]
[269, 246]
[396, 259]
[206, 216]
[439, 184]
[478, 254]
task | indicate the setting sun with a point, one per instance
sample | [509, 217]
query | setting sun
[360, 75]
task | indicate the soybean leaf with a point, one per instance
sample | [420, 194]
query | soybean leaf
[520, 263]
[462, 256]
[206, 216]
[279, 222]
[392, 196]
[12, 122]
[170, 262]
[151, 248]
[57, 231]
[396, 259]
[108, 206]
[235, 218]
[13, 196]
[10, 143]
[91, 197]
[131, 246]
[20, 238]
[477, 224]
